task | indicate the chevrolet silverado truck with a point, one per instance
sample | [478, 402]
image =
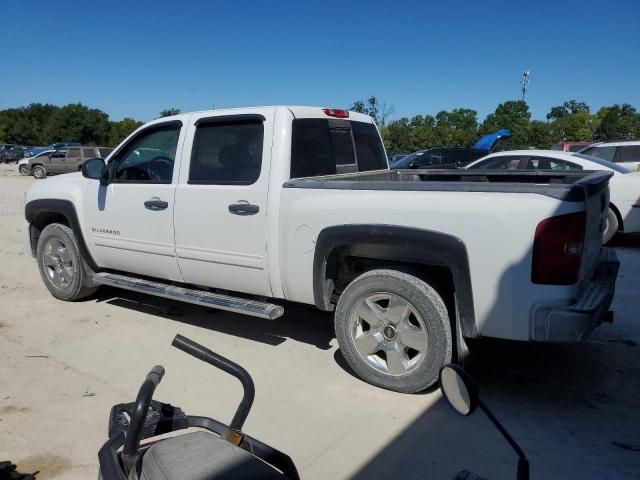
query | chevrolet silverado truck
[247, 209]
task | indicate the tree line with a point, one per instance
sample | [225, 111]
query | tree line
[43, 124]
[571, 121]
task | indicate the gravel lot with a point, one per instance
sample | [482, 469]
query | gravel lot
[575, 409]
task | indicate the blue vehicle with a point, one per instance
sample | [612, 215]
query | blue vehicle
[54, 146]
[452, 157]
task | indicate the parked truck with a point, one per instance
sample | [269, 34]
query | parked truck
[246, 209]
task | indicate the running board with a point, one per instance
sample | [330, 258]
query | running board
[197, 297]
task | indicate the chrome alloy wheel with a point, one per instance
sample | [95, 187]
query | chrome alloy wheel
[388, 333]
[58, 263]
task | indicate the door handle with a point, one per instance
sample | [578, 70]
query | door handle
[156, 204]
[243, 208]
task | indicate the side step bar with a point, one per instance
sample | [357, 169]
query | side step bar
[198, 297]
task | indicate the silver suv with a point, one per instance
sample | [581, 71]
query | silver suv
[65, 160]
[624, 153]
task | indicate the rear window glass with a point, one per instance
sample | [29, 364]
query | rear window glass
[325, 147]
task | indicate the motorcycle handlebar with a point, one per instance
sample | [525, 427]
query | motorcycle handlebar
[143, 400]
[232, 368]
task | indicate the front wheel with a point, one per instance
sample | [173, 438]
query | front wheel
[24, 170]
[39, 172]
[393, 330]
[60, 263]
[611, 226]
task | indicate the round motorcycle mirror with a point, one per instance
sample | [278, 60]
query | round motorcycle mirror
[459, 389]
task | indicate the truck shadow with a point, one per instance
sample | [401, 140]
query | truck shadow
[300, 322]
[569, 407]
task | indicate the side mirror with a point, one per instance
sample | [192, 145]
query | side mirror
[462, 395]
[93, 168]
[459, 389]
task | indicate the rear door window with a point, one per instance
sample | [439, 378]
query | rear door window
[325, 147]
[547, 163]
[74, 153]
[89, 152]
[604, 152]
[630, 153]
[227, 153]
[504, 162]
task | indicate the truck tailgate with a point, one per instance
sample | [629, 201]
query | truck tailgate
[596, 206]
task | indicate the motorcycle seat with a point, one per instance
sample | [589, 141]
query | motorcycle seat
[202, 456]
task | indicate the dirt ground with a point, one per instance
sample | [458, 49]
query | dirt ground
[574, 409]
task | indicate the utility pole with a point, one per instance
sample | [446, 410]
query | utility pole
[524, 83]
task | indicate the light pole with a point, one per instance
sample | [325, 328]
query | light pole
[524, 82]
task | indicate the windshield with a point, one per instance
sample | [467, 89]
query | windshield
[604, 163]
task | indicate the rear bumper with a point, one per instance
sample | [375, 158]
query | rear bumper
[575, 322]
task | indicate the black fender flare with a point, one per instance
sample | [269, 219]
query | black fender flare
[35, 208]
[405, 244]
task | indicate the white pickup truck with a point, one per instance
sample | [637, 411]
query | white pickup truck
[241, 209]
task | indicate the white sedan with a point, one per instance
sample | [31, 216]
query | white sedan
[624, 186]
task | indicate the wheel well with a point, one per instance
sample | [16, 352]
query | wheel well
[617, 212]
[39, 222]
[343, 267]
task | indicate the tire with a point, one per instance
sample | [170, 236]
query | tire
[611, 228]
[393, 330]
[60, 264]
[24, 170]
[39, 172]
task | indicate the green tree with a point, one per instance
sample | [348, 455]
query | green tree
[78, 123]
[121, 130]
[397, 136]
[570, 107]
[169, 112]
[618, 122]
[540, 134]
[514, 115]
[456, 128]
[380, 112]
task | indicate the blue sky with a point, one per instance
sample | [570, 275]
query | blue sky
[137, 57]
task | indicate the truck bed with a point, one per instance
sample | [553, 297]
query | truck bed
[572, 186]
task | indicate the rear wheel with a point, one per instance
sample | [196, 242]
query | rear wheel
[60, 263]
[393, 330]
[611, 226]
[39, 172]
[24, 170]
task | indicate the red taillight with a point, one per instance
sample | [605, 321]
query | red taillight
[336, 112]
[557, 249]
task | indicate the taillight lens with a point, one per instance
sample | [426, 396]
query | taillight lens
[336, 112]
[557, 249]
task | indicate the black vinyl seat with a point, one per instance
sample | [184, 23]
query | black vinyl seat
[202, 456]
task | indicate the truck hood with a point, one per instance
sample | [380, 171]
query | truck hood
[489, 142]
[61, 187]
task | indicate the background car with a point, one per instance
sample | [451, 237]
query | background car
[625, 153]
[65, 160]
[12, 154]
[570, 146]
[24, 167]
[33, 151]
[452, 157]
[397, 156]
[624, 186]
